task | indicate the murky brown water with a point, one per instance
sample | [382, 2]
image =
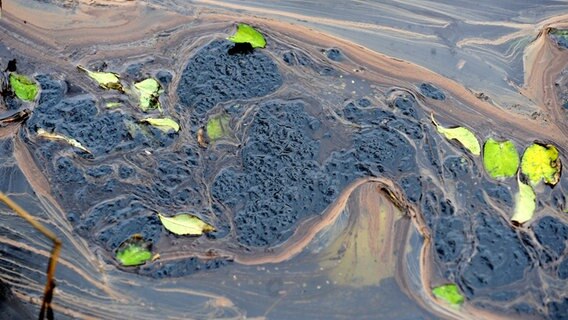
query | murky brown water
[333, 195]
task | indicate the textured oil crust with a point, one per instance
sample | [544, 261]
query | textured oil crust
[213, 75]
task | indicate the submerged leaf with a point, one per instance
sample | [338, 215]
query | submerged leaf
[185, 224]
[217, 127]
[24, 87]
[248, 34]
[106, 80]
[133, 252]
[165, 124]
[500, 158]
[463, 135]
[149, 90]
[525, 204]
[54, 136]
[449, 293]
[541, 162]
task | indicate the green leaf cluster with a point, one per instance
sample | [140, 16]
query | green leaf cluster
[248, 34]
[541, 163]
[538, 163]
[24, 87]
[217, 127]
[500, 158]
[133, 252]
[147, 91]
[448, 293]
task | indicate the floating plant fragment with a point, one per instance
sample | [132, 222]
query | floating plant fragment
[248, 34]
[106, 80]
[54, 136]
[525, 204]
[134, 251]
[185, 224]
[541, 162]
[448, 293]
[164, 124]
[201, 140]
[24, 87]
[217, 127]
[148, 90]
[500, 158]
[463, 135]
[112, 105]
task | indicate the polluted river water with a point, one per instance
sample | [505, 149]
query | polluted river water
[331, 191]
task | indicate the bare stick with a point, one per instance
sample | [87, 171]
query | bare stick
[46, 310]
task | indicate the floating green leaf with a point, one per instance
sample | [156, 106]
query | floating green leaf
[185, 224]
[525, 204]
[463, 135]
[164, 124]
[24, 87]
[449, 293]
[54, 136]
[541, 162]
[133, 252]
[217, 127]
[248, 34]
[113, 104]
[500, 158]
[149, 91]
[106, 80]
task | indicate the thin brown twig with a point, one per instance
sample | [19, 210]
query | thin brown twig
[46, 311]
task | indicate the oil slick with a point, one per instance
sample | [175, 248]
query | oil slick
[242, 280]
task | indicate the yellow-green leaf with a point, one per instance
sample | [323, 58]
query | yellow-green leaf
[113, 104]
[133, 252]
[500, 158]
[185, 224]
[54, 136]
[463, 135]
[448, 293]
[248, 34]
[149, 91]
[217, 127]
[525, 204]
[541, 162]
[165, 124]
[24, 87]
[106, 80]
